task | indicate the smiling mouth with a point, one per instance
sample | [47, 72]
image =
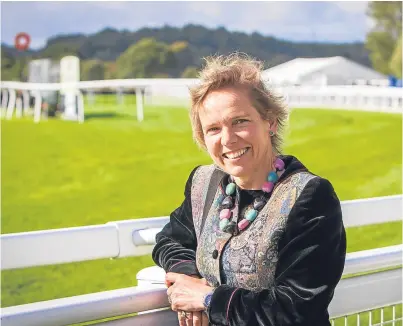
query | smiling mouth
[236, 154]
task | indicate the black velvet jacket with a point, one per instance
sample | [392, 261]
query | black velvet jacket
[310, 262]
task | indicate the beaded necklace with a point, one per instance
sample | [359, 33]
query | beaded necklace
[229, 202]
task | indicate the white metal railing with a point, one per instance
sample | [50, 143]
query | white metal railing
[139, 85]
[136, 237]
[386, 315]
[352, 295]
[369, 98]
[111, 240]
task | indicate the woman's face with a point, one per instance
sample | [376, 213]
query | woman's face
[236, 136]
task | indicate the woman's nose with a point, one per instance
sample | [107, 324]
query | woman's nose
[227, 136]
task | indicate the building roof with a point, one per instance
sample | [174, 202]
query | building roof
[291, 71]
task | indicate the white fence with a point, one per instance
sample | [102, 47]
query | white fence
[170, 91]
[366, 98]
[352, 295]
[137, 237]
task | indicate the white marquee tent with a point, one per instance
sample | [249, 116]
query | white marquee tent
[323, 71]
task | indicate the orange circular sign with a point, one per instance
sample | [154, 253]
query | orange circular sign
[22, 41]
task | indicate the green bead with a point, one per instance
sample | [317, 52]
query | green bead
[223, 223]
[230, 189]
[251, 215]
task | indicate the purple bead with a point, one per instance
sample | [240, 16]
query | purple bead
[227, 202]
[243, 224]
[259, 203]
[225, 214]
[268, 186]
[279, 164]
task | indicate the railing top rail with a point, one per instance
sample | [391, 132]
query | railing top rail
[85, 307]
[96, 306]
[137, 237]
[145, 82]
[98, 84]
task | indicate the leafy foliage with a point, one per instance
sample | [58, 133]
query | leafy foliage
[110, 70]
[12, 68]
[145, 59]
[382, 40]
[57, 51]
[92, 70]
[190, 72]
[180, 48]
[395, 64]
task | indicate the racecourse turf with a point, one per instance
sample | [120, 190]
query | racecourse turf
[63, 174]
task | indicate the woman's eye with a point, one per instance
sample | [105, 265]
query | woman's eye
[213, 129]
[238, 121]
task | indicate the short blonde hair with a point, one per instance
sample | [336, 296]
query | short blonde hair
[237, 70]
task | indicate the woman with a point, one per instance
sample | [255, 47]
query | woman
[258, 240]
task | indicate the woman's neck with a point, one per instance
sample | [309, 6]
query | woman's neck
[258, 176]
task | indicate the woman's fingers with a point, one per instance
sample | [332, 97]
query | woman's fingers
[189, 318]
[204, 319]
[182, 319]
[197, 318]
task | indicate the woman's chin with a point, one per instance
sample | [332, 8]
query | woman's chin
[235, 170]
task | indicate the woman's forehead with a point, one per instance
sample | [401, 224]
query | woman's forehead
[229, 96]
[226, 102]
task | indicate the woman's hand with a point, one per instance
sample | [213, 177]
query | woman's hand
[196, 318]
[186, 293]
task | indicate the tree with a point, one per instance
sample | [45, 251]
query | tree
[110, 70]
[395, 64]
[183, 57]
[382, 39]
[188, 44]
[57, 51]
[12, 68]
[190, 72]
[92, 70]
[145, 59]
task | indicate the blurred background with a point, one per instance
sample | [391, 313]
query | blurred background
[115, 142]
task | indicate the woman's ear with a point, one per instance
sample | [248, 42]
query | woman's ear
[272, 127]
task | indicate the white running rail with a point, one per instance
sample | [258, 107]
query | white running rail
[137, 237]
[176, 90]
[354, 294]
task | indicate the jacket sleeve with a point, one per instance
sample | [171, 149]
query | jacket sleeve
[175, 249]
[310, 264]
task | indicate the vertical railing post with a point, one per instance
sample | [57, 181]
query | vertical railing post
[11, 104]
[139, 104]
[38, 106]
[25, 101]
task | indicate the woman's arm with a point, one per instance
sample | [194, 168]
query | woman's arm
[175, 249]
[311, 261]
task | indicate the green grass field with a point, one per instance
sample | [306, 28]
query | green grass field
[62, 174]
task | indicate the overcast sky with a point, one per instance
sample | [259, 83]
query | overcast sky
[297, 21]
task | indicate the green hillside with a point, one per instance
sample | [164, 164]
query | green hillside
[181, 50]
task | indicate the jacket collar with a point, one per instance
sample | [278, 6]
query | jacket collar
[292, 165]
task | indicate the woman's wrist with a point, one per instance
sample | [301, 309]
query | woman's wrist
[207, 299]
